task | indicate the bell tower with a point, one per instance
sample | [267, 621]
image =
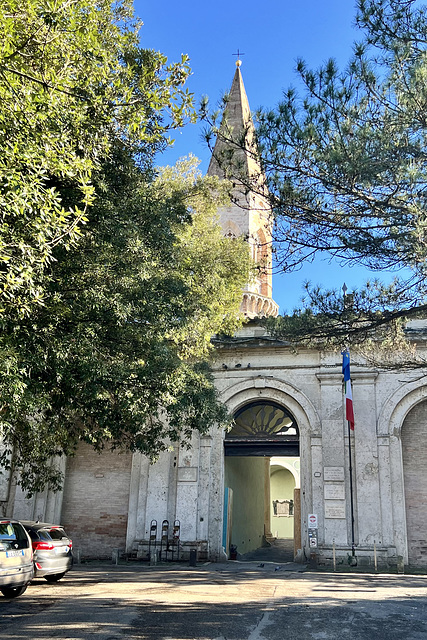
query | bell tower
[249, 214]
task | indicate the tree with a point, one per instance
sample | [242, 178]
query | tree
[113, 276]
[347, 173]
[346, 170]
[73, 79]
[113, 356]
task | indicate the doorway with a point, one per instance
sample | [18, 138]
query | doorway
[261, 482]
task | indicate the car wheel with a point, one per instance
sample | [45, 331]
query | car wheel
[13, 592]
[54, 577]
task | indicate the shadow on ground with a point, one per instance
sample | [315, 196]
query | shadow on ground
[328, 607]
[279, 551]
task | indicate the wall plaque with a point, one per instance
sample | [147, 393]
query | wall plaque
[335, 509]
[334, 491]
[187, 474]
[333, 473]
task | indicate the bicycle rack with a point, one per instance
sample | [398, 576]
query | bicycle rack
[174, 542]
[152, 542]
[164, 540]
[169, 547]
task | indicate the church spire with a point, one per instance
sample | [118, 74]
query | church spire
[234, 154]
[235, 157]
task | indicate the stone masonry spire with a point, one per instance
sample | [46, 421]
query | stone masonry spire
[235, 157]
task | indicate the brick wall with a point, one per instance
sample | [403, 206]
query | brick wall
[96, 497]
[414, 450]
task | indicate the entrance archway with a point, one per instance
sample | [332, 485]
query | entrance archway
[257, 493]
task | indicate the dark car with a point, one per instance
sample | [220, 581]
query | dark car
[52, 549]
[16, 558]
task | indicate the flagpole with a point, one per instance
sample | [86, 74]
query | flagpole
[350, 465]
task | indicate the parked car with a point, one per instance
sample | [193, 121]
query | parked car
[52, 549]
[16, 558]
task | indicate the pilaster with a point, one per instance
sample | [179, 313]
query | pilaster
[335, 484]
[366, 462]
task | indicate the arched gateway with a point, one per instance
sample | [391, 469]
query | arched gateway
[267, 453]
[263, 431]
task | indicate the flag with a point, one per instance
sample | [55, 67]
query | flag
[347, 389]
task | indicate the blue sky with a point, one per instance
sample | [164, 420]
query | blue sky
[272, 35]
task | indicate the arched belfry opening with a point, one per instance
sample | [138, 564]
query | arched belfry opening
[262, 452]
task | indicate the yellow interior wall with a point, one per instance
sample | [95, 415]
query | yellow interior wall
[246, 477]
[282, 484]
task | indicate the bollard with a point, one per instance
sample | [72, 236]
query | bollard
[334, 556]
[115, 556]
[193, 557]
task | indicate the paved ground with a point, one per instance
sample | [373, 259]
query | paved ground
[232, 601]
[279, 550]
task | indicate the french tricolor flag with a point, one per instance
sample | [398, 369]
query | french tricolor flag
[349, 414]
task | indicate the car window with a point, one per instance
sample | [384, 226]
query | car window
[14, 533]
[57, 534]
[33, 534]
[43, 534]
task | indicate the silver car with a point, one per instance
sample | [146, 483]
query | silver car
[16, 558]
[52, 548]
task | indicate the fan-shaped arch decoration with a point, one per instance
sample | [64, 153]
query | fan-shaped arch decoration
[263, 420]
[259, 428]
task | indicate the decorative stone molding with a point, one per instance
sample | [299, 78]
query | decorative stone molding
[364, 377]
[397, 406]
[254, 305]
[330, 379]
[357, 377]
[287, 394]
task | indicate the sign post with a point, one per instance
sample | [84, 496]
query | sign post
[313, 527]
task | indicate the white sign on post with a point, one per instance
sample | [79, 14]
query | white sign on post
[312, 521]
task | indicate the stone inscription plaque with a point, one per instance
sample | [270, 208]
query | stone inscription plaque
[333, 473]
[187, 474]
[335, 509]
[334, 492]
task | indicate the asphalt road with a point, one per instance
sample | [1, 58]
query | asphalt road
[234, 601]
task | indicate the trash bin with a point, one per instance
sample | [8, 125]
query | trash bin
[193, 557]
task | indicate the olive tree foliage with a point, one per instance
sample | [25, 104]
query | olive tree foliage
[345, 162]
[116, 356]
[73, 78]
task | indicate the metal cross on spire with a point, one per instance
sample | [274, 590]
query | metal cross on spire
[238, 54]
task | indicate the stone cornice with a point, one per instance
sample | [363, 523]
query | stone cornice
[357, 377]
